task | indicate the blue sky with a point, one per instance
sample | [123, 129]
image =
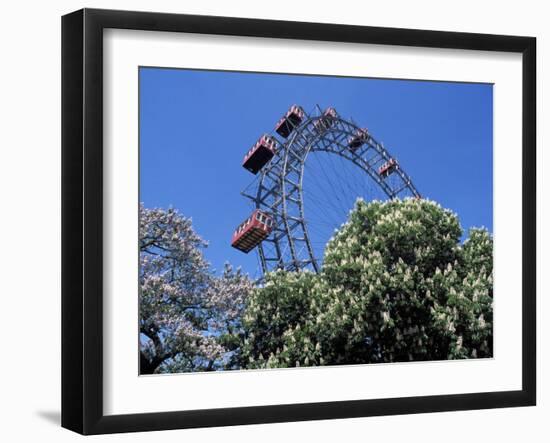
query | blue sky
[195, 127]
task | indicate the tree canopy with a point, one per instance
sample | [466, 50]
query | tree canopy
[189, 318]
[396, 285]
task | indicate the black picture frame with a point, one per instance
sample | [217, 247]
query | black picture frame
[82, 215]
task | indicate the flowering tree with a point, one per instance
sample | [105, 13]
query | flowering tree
[188, 317]
[396, 285]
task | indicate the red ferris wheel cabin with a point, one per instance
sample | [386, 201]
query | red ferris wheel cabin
[252, 231]
[289, 121]
[256, 158]
[326, 120]
[387, 168]
[359, 137]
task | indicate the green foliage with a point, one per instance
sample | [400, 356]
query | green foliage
[396, 285]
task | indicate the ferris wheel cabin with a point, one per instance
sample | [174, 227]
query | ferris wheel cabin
[359, 137]
[326, 120]
[289, 121]
[387, 168]
[257, 157]
[252, 231]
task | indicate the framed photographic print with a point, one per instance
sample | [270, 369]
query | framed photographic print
[269, 221]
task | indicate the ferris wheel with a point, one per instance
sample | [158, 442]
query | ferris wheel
[309, 173]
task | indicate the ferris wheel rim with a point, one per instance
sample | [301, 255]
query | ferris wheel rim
[341, 130]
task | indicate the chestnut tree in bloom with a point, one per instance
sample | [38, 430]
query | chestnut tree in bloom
[396, 285]
[189, 318]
